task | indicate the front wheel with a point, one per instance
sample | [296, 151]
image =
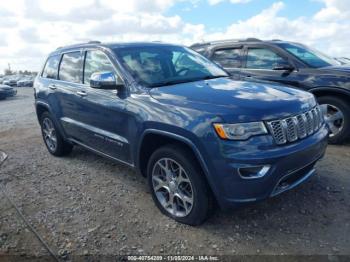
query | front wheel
[337, 116]
[178, 186]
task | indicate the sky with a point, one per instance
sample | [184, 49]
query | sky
[30, 29]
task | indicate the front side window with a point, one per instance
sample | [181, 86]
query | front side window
[309, 56]
[71, 67]
[96, 61]
[51, 67]
[228, 58]
[155, 66]
[261, 58]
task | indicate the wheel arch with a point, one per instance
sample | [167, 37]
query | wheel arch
[152, 139]
[42, 107]
[330, 91]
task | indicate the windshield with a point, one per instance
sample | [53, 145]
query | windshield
[309, 56]
[155, 66]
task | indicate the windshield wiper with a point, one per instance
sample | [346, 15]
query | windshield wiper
[180, 81]
[213, 77]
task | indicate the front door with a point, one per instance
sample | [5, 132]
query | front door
[264, 63]
[104, 115]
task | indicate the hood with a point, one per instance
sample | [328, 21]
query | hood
[235, 100]
[338, 68]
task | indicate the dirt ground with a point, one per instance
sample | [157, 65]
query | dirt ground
[86, 205]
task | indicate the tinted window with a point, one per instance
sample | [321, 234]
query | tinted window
[71, 67]
[311, 57]
[51, 67]
[229, 58]
[96, 61]
[166, 65]
[259, 58]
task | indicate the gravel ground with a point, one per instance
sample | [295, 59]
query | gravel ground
[84, 204]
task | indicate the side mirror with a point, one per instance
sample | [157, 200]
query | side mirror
[283, 67]
[105, 80]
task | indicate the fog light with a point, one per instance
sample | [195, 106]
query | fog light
[252, 172]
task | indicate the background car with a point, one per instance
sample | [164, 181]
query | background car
[11, 81]
[292, 64]
[25, 82]
[6, 91]
[343, 60]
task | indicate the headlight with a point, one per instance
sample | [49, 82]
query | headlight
[241, 131]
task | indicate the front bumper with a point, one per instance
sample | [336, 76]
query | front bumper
[290, 165]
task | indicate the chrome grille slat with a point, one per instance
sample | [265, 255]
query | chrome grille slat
[309, 123]
[297, 127]
[316, 119]
[292, 131]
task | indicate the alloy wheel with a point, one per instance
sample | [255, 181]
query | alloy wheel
[49, 133]
[172, 187]
[334, 118]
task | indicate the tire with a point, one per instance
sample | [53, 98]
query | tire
[191, 180]
[339, 128]
[58, 146]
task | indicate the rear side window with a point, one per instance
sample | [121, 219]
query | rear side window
[71, 67]
[51, 67]
[260, 58]
[96, 61]
[228, 58]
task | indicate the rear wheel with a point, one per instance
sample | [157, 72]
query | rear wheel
[178, 186]
[52, 137]
[337, 116]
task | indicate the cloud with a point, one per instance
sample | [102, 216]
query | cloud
[3, 41]
[146, 23]
[215, 2]
[46, 24]
[334, 10]
[330, 37]
[31, 35]
[30, 29]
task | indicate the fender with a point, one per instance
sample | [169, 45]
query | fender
[185, 140]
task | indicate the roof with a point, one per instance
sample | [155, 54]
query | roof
[228, 41]
[107, 45]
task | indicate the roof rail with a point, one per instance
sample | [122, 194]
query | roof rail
[251, 39]
[68, 46]
[215, 42]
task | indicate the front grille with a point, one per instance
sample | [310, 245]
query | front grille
[297, 127]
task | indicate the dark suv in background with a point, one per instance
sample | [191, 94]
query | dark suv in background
[290, 64]
[177, 118]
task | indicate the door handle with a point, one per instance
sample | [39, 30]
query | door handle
[53, 87]
[81, 93]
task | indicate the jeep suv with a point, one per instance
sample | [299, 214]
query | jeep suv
[290, 64]
[198, 136]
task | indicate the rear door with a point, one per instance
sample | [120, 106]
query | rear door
[47, 81]
[68, 89]
[260, 62]
[230, 58]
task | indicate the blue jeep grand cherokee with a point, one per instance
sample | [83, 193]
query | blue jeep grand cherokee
[198, 136]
